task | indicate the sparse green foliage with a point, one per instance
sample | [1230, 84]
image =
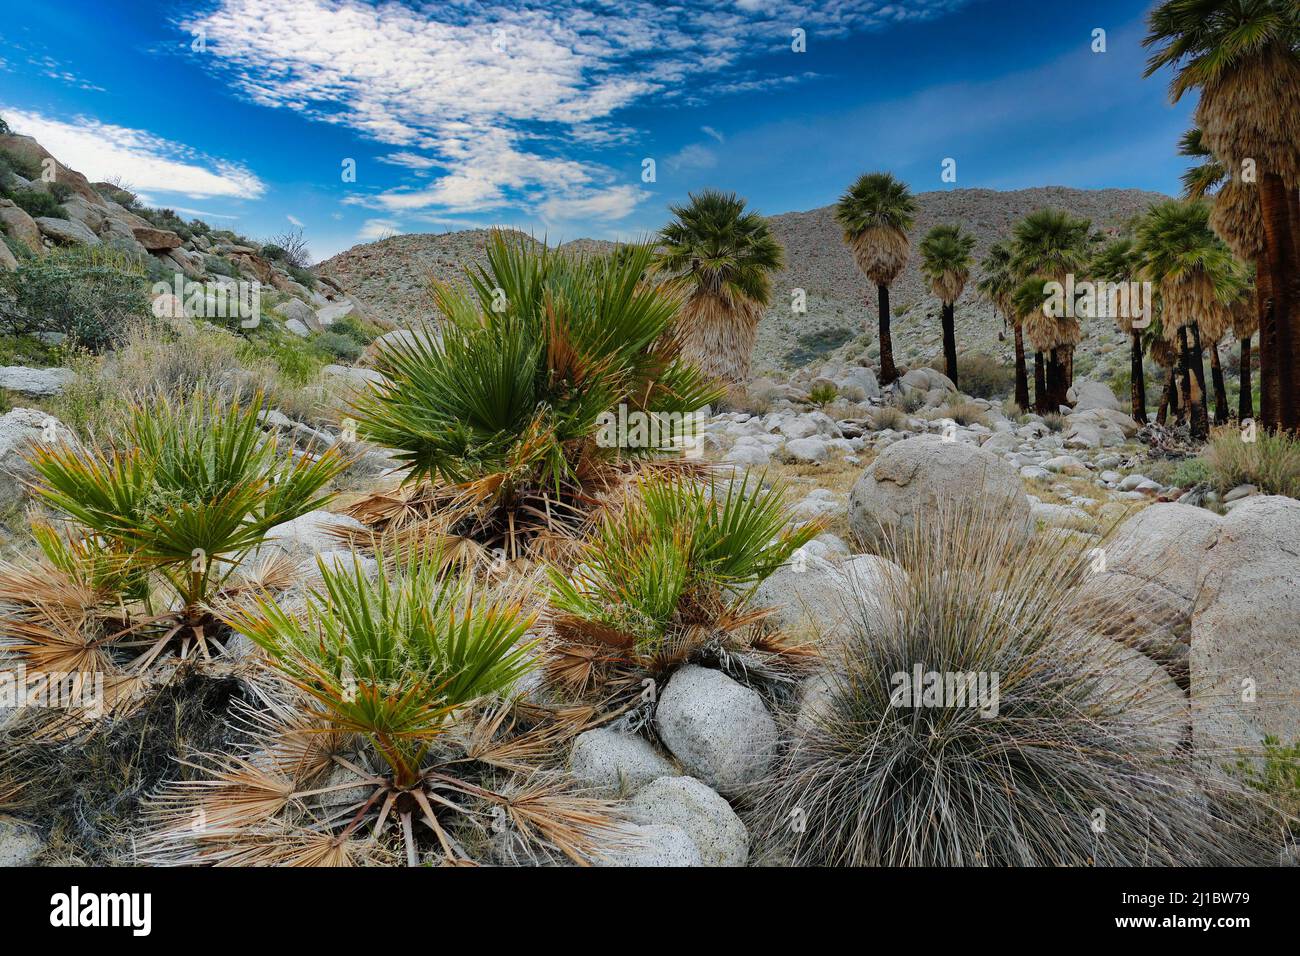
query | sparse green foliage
[822, 394]
[1271, 462]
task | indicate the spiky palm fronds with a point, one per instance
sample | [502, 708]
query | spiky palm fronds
[946, 261]
[1052, 243]
[1242, 56]
[1194, 269]
[998, 280]
[666, 575]
[190, 488]
[722, 258]
[1070, 758]
[876, 213]
[498, 418]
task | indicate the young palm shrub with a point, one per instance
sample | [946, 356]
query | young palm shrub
[151, 533]
[499, 417]
[400, 721]
[668, 578]
[1064, 749]
[945, 263]
[723, 258]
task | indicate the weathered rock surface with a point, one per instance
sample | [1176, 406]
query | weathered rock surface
[706, 818]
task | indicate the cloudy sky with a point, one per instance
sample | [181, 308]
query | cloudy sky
[572, 118]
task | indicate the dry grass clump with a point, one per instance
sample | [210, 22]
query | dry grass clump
[1073, 757]
[1271, 462]
[887, 416]
[963, 413]
[1054, 421]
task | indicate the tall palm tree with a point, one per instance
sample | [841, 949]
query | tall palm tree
[876, 214]
[1040, 329]
[1242, 56]
[997, 283]
[946, 263]
[1198, 280]
[1118, 262]
[1053, 244]
[1235, 216]
[724, 257]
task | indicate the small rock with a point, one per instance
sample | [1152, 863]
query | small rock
[613, 764]
[706, 818]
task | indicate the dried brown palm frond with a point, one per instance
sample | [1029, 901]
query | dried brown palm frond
[1245, 314]
[1237, 127]
[881, 253]
[1193, 299]
[1235, 216]
[722, 333]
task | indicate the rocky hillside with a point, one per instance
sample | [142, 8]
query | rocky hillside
[391, 277]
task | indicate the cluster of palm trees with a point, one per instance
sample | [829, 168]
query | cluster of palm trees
[1225, 260]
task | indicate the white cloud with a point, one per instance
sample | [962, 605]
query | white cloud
[614, 202]
[378, 229]
[710, 131]
[294, 220]
[479, 90]
[148, 162]
[694, 156]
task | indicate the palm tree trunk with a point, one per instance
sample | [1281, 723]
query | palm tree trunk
[1198, 369]
[1195, 411]
[1268, 383]
[888, 372]
[1168, 400]
[1056, 386]
[1040, 385]
[1278, 338]
[1067, 370]
[1221, 413]
[1137, 381]
[1245, 402]
[1022, 377]
[950, 342]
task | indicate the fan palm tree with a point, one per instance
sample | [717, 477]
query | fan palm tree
[997, 283]
[946, 263]
[1236, 218]
[1054, 244]
[1198, 280]
[1118, 262]
[876, 214]
[1241, 55]
[723, 257]
[1040, 329]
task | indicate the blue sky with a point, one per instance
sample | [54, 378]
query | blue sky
[541, 115]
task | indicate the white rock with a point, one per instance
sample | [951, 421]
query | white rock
[807, 450]
[19, 844]
[655, 844]
[719, 730]
[706, 818]
[35, 382]
[613, 764]
[21, 431]
[294, 327]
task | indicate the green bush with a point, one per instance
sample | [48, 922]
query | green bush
[340, 346]
[822, 394]
[1278, 776]
[37, 204]
[1190, 472]
[273, 252]
[301, 276]
[221, 266]
[356, 328]
[87, 294]
[24, 167]
[982, 376]
[1271, 462]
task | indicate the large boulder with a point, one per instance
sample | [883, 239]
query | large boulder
[27, 148]
[1245, 634]
[613, 764]
[706, 818]
[1146, 579]
[35, 382]
[718, 729]
[15, 221]
[910, 478]
[652, 844]
[21, 431]
[925, 380]
[1089, 395]
[293, 310]
[313, 533]
[156, 240]
[7, 260]
[814, 596]
[66, 232]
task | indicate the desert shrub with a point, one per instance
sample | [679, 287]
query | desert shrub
[1015, 771]
[90, 295]
[302, 276]
[356, 328]
[37, 204]
[1190, 472]
[4, 127]
[662, 579]
[61, 192]
[822, 394]
[340, 346]
[402, 674]
[29, 169]
[1271, 462]
[889, 417]
[290, 246]
[273, 252]
[167, 219]
[510, 405]
[982, 376]
[1054, 421]
[220, 265]
[1277, 775]
[966, 413]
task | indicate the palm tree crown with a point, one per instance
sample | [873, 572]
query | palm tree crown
[715, 247]
[876, 214]
[946, 261]
[998, 279]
